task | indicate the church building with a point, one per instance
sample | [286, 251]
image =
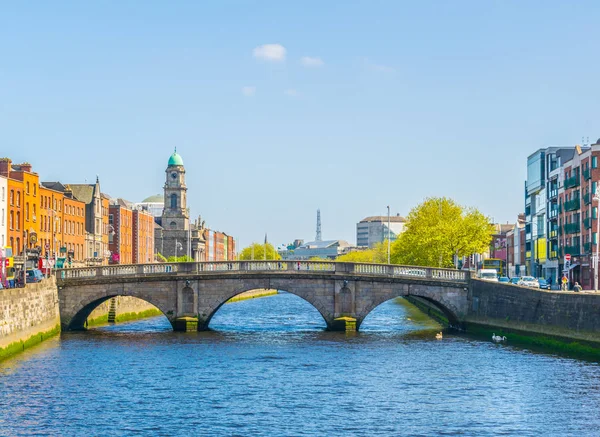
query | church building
[174, 234]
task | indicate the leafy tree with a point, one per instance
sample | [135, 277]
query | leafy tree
[378, 254]
[438, 231]
[160, 258]
[259, 252]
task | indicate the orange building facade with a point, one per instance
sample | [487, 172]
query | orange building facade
[50, 213]
[73, 236]
[120, 237]
[143, 237]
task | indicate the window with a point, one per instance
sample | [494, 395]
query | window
[595, 212]
[12, 197]
[18, 198]
[173, 201]
[594, 162]
[2, 216]
[27, 187]
[27, 211]
[34, 212]
[3, 194]
[12, 220]
[18, 221]
[34, 190]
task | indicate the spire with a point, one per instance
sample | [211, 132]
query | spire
[97, 179]
[318, 238]
[265, 238]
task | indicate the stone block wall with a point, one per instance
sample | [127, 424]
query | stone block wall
[28, 315]
[127, 308]
[565, 314]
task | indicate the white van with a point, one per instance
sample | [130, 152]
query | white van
[488, 275]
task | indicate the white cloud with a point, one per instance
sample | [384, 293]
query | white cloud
[249, 91]
[308, 61]
[291, 92]
[378, 67]
[270, 52]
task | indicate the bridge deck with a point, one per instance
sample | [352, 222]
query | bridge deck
[291, 267]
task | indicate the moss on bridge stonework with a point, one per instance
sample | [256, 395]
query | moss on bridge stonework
[20, 346]
[253, 294]
[124, 317]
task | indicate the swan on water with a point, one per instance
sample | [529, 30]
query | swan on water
[498, 337]
[439, 335]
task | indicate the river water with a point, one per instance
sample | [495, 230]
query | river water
[269, 368]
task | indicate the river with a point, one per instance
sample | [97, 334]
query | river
[269, 368]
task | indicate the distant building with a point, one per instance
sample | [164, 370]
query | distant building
[373, 230]
[120, 237]
[153, 205]
[4, 211]
[219, 246]
[322, 249]
[143, 237]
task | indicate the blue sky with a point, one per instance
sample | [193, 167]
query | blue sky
[399, 101]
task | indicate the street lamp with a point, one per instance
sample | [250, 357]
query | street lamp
[388, 234]
[597, 199]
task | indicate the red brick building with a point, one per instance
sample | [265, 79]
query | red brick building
[143, 237]
[120, 233]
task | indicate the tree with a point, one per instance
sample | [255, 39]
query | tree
[259, 252]
[439, 231]
[377, 254]
[180, 259]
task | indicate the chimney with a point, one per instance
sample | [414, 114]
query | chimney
[5, 165]
[26, 167]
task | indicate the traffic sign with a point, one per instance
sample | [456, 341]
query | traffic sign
[567, 257]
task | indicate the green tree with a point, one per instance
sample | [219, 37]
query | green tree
[438, 231]
[259, 252]
[378, 254]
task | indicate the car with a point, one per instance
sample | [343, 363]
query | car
[529, 281]
[503, 279]
[34, 275]
[515, 280]
[488, 275]
[543, 284]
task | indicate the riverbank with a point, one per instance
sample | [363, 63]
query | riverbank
[252, 294]
[28, 316]
[551, 339]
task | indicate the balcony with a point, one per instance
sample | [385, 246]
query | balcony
[572, 228]
[553, 213]
[573, 205]
[553, 254]
[571, 182]
[587, 174]
[553, 233]
[587, 198]
[572, 250]
[552, 193]
[587, 223]
[587, 247]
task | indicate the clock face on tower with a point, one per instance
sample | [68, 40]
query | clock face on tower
[174, 175]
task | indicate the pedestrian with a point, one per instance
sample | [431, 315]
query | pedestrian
[577, 287]
[298, 265]
[565, 281]
[550, 282]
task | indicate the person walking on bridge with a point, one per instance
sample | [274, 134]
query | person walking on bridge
[565, 282]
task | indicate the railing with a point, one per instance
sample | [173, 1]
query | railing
[587, 198]
[572, 228]
[587, 248]
[274, 266]
[572, 181]
[587, 223]
[587, 174]
[572, 250]
[553, 233]
[572, 205]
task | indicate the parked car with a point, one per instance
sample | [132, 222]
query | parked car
[515, 280]
[34, 275]
[503, 279]
[529, 281]
[543, 284]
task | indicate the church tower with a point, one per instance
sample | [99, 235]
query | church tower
[175, 214]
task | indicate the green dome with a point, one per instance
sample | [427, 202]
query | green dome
[175, 159]
[157, 198]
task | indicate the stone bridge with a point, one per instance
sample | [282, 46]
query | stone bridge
[195, 291]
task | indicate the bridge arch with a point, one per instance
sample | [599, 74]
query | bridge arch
[208, 314]
[75, 312]
[438, 296]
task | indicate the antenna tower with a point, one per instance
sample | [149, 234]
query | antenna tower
[318, 225]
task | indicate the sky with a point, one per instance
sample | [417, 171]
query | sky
[279, 108]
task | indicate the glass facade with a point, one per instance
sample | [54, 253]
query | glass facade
[535, 172]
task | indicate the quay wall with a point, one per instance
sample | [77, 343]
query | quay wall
[568, 315]
[28, 316]
[126, 308]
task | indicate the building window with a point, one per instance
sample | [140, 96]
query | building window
[27, 187]
[12, 197]
[594, 162]
[18, 221]
[34, 212]
[27, 211]
[34, 190]
[12, 220]
[18, 198]
[595, 212]
[173, 201]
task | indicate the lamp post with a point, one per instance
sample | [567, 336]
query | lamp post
[597, 199]
[389, 244]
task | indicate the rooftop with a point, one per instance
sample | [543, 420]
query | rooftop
[383, 218]
[156, 198]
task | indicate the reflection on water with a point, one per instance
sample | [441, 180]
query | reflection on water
[268, 367]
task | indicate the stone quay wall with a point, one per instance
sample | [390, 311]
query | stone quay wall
[28, 316]
[566, 315]
[127, 308]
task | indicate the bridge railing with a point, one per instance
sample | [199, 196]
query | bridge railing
[265, 266]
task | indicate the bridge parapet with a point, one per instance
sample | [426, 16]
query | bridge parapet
[296, 267]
